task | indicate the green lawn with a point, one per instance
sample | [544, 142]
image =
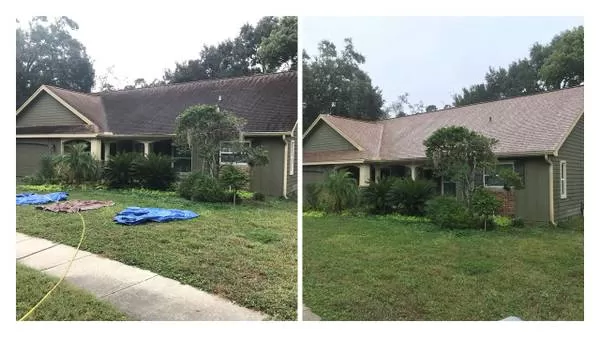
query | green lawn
[394, 268]
[65, 303]
[245, 253]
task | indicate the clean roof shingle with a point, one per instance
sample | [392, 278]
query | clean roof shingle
[523, 125]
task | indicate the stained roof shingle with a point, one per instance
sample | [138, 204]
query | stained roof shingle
[267, 102]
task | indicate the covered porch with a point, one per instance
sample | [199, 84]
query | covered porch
[365, 173]
[103, 148]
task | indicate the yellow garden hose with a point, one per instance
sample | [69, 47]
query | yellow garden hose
[64, 275]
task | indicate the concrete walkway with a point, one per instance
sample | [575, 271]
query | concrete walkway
[308, 315]
[141, 294]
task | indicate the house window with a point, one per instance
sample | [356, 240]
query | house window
[182, 159]
[493, 179]
[563, 179]
[292, 154]
[232, 153]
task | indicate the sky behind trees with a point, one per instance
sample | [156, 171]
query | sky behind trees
[432, 58]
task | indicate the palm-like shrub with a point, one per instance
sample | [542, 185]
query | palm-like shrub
[340, 191]
[375, 196]
[154, 172]
[409, 196]
[77, 165]
[118, 172]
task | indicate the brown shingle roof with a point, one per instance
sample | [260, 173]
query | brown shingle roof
[268, 103]
[524, 125]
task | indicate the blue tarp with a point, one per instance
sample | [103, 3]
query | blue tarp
[138, 215]
[39, 199]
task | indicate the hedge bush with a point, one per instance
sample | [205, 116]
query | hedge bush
[202, 187]
[154, 172]
[448, 212]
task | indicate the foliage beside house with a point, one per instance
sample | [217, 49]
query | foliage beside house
[539, 140]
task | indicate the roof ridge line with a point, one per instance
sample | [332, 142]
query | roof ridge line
[485, 102]
[102, 93]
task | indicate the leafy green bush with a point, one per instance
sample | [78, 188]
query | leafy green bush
[448, 212]
[77, 166]
[118, 172]
[258, 196]
[202, 187]
[485, 204]
[502, 221]
[375, 196]
[311, 199]
[47, 172]
[154, 172]
[410, 196]
[518, 222]
[339, 191]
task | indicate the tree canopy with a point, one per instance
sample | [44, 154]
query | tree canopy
[47, 53]
[559, 64]
[268, 47]
[333, 83]
[459, 154]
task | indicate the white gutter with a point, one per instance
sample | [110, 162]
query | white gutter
[285, 161]
[551, 187]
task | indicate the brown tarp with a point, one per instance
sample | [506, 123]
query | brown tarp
[74, 206]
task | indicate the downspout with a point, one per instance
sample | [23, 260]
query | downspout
[551, 186]
[285, 162]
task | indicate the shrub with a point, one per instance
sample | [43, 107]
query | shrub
[202, 187]
[77, 166]
[375, 196]
[258, 196]
[339, 192]
[154, 172]
[518, 222]
[47, 172]
[118, 172]
[312, 192]
[448, 212]
[410, 196]
[485, 204]
[502, 221]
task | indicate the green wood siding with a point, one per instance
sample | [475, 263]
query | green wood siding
[268, 179]
[572, 152]
[324, 138]
[46, 111]
[532, 202]
[30, 152]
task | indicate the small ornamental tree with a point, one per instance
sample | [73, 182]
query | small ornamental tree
[204, 127]
[485, 204]
[459, 154]
[233, 178]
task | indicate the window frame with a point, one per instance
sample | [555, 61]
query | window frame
[221, 153]
[562, 172]
[504, 162]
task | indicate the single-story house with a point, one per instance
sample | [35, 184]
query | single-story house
[143, 120]
[540, 136]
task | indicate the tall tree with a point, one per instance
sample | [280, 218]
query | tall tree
[556, 65]
[47, 53]
[267, 47]
[333, 83]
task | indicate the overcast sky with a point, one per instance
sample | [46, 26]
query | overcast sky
[432, 58]
[147, 46]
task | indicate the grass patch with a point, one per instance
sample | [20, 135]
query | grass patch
[396, 268]
[66, 303]
[245, 253]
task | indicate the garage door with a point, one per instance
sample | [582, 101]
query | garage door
[29, 154]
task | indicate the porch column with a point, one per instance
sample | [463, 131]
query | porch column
[96, 148]
[413, 171]
[107, 150]
[364, 175]
[62, 147]
[147, 146]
